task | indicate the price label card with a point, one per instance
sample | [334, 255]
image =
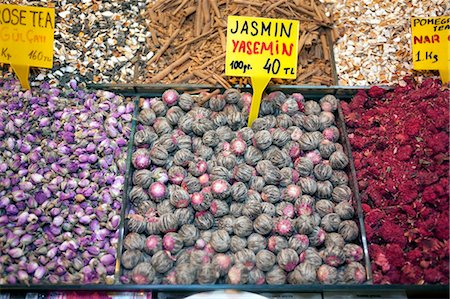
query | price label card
[26, 38]
[261, 48]
[430, 38]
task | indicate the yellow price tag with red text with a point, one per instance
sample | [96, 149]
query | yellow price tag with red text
[261, 48]
[26, 38]
[430, 38]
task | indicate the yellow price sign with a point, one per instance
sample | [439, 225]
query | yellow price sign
[26, 38]
[430, 38]
[261, 48]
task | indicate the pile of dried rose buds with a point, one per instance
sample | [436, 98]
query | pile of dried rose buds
[401, 149]
[215, 201]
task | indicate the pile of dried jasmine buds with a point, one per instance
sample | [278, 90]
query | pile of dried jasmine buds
[215, 201]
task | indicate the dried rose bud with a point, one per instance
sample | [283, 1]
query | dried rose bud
[143, 273]
[238, 274]
[256, 276]
[130, 258]
[276, 243]
[317, 237]
[256, 242]
[349, 230]
[226, 223]
[243, 172]
[172, 242]
[304, 166]
[276, 276]
[176, 174]
[147, 117]
[339, 177]
[308, 185]
[341, 193]
[257, 183]
[353, 252]
[138, 195]
[185, 274]
[345, 210]
[327, 274]
[271, 193]
[237, 243]
[285, 209]
[322, 171]
[333, 256]
[330, 222]
[184, 215]
[299, 243]
[338, 160]
[178, 196]
[168, 223]
[236, 209]
[326, 148]
[324, 189]
[245, 257]
[331, 133]
[311, 107]
[324, 207]
[162, 261]
[134, 241]
[204, 220]
[136, 223]
[219, 173]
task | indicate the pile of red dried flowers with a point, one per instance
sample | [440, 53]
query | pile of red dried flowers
[400, 148]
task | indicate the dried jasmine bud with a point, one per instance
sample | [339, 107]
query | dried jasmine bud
[186, 102]
[327, 274]
[324, 207]
[185, 274]
[235, 120]
[191, 184]
[338, 160]
[143, 273]
[210, 138]
[339, 177]
[310, 140]
[251, 209]
[204, 220]
[330, 222]
[311, 123]
[276, 276]
[225, 133]
[278, 157]
[353, 252]
[220, 240]
[164, 207]
[257, 183]
[219, 208]
[217, 103]
[256, 242]
[162, 126]
[265, 260]
[146, 207]
[178, 197]
[202, 125]
[136, 223]
[130, 258]
[304, 224]
[305, 205]
[220, 173]
[329, 103]
[280, 137]
[162, 261]
[243, 226]
[262, 139]
[184, 215]
[134, 241]
[237, 243]
[333, 256]
[222, 262]
[311, 107]
[322, 171]
[324, 189]
[287, 259]
[138, 195]
[271, 193]
[256, 276]
[326, 148]
[159, 155]
[168, 223]
[236, 209]
[263, 224]
[238, 274]
[219, 119]
[142, 178]
[349, 230]
[146, 136]
[269, 172]
[354, 273]
[285, 209]
[246, 134]
[345, 210]
[341, 193]
[284, 121]
[288, 176]
[334, 239]
[152, 227]
[182, 157]
[276, 244]
[207, 274]
[146, 117]
[243, 172]
[189, 234]
[172, 242]
[308, 185]
[304, 166]
[185, 123]
[226, 223]
[326, 119]
[232, 96]
[245, 257]
[304, 273]
[292, 148]
[331, 133]
[317, 237]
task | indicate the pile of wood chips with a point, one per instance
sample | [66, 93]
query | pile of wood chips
[188, 38]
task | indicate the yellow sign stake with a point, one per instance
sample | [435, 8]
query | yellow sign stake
[26, 38]
[261, 48]
[430, 38]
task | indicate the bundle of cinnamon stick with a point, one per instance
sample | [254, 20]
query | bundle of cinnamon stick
[188, 38]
